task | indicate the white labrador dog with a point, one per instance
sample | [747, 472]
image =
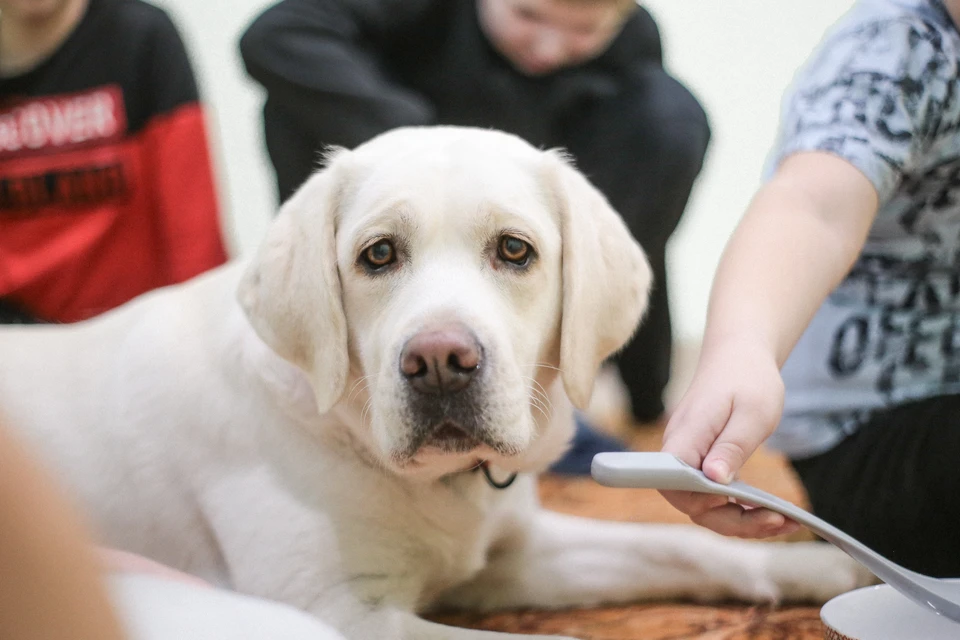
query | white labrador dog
[332, 437]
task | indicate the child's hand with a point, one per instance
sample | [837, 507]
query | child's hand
[731, 407]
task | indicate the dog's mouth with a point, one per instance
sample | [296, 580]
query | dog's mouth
[450, 437]
[449, 430]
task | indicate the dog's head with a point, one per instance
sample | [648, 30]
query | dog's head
[441, 278]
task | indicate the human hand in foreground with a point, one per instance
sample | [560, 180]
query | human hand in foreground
[797, 240]
[51, 585]
[731, 407]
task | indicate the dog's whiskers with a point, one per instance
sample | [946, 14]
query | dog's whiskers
[367, 407]
[539, 408]
[540, 389]
[547, 366]
[539, 398]
[357, 389]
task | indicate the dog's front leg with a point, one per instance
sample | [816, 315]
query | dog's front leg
[292, 551]
[564, 561]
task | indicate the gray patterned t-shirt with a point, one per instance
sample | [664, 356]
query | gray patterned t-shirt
[882, 92]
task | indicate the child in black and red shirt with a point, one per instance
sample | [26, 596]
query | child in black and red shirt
[106, 187]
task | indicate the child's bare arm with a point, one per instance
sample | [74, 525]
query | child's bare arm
[797, 240]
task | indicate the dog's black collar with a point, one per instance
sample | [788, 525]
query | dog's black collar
[485, 467]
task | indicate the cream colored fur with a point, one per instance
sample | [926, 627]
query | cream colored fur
[253, 426]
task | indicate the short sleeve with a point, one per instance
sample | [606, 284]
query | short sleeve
[872, 95]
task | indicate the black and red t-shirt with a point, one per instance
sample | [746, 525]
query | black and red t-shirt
[106, 186]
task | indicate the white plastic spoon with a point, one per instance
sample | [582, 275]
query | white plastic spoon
[643, 470]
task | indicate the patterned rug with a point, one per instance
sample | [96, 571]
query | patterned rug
[659, 621]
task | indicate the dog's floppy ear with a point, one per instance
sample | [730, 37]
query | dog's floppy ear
[606, 280]
[291, 289]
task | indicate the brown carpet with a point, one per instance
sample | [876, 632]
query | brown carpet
[661, 621]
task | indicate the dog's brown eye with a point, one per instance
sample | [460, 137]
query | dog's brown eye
[379, 255]
[514, 250]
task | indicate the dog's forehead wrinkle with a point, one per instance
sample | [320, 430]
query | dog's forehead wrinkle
[395, 220]
[432, 198]
[520, 215]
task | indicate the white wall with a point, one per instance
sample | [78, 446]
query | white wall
[737, 56]
[211, 29]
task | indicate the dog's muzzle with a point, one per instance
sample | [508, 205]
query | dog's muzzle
[442, 367]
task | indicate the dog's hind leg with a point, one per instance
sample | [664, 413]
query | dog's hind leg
[563, 561]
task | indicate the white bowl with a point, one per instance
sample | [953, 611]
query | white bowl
[882, 613]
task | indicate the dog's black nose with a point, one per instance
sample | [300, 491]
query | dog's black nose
[441, 360]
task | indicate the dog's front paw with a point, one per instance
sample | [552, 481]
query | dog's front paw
[814, 571]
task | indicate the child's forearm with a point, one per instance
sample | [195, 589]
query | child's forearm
[796, 242]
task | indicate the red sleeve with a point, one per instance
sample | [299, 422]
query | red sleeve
[184, 194]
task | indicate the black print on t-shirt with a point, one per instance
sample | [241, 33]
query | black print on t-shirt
[909, 326]
[24, 196]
